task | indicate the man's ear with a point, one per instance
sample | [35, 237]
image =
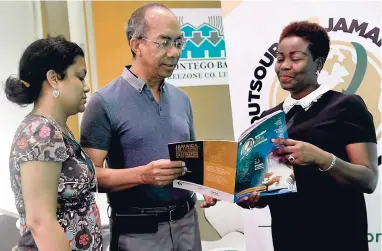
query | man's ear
[134, 45]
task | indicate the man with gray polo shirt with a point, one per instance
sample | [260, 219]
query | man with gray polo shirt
[129, 123]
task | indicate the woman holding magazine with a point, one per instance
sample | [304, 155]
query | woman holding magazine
[331, 146]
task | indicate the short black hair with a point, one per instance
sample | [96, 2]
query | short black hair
[43, 55]
[318, 38]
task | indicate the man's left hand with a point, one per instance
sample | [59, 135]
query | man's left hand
[209, 201]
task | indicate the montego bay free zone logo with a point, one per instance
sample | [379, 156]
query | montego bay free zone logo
[350, 68]
[204, 54]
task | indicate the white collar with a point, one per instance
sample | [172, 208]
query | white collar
[307, 101]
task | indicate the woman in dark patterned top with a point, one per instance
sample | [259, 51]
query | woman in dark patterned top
[52, 178]
[332, 147]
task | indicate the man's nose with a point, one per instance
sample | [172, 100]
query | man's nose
[173, 52]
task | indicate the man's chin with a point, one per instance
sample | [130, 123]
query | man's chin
[166, 74]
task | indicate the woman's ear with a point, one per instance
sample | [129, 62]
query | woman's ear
[52, 78]
[320, 64]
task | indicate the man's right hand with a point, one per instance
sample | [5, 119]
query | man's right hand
[162, 172]
[251, 201]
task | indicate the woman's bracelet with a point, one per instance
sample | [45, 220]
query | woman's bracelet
[334, 158]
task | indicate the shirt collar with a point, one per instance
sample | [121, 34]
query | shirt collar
[307, 101]
[135, 81]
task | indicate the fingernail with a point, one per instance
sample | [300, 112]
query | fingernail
[183, 164]
[185, 169]
[273, 140]
[246, 198]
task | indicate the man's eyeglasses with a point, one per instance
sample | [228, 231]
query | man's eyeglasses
[167, 44]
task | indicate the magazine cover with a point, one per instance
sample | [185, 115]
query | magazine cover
[257, 170]
[229, 170]
[211, 167]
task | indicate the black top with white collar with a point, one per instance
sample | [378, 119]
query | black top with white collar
[324, 215]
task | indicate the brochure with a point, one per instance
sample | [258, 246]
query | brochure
[231, 170]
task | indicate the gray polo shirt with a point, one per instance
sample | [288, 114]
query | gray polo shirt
[124, 119]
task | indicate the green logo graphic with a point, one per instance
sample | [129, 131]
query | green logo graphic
[360, 69]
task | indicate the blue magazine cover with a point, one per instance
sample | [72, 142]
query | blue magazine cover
[256, 169]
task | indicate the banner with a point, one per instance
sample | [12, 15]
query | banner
[203, 60]
[353, 66]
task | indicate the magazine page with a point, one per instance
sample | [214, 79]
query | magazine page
[211, 167]
[256, 123]
[257, 170]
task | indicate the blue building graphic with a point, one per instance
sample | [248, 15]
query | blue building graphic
[203, 42]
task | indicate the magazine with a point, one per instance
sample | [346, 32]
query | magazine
[231, 170]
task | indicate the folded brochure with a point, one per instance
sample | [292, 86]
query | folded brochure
[230, 170]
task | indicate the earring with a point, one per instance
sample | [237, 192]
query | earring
[56, 93]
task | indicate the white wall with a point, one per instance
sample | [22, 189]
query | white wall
[20, 25]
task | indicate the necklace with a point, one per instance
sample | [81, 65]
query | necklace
[85, 157]
[50, 117]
